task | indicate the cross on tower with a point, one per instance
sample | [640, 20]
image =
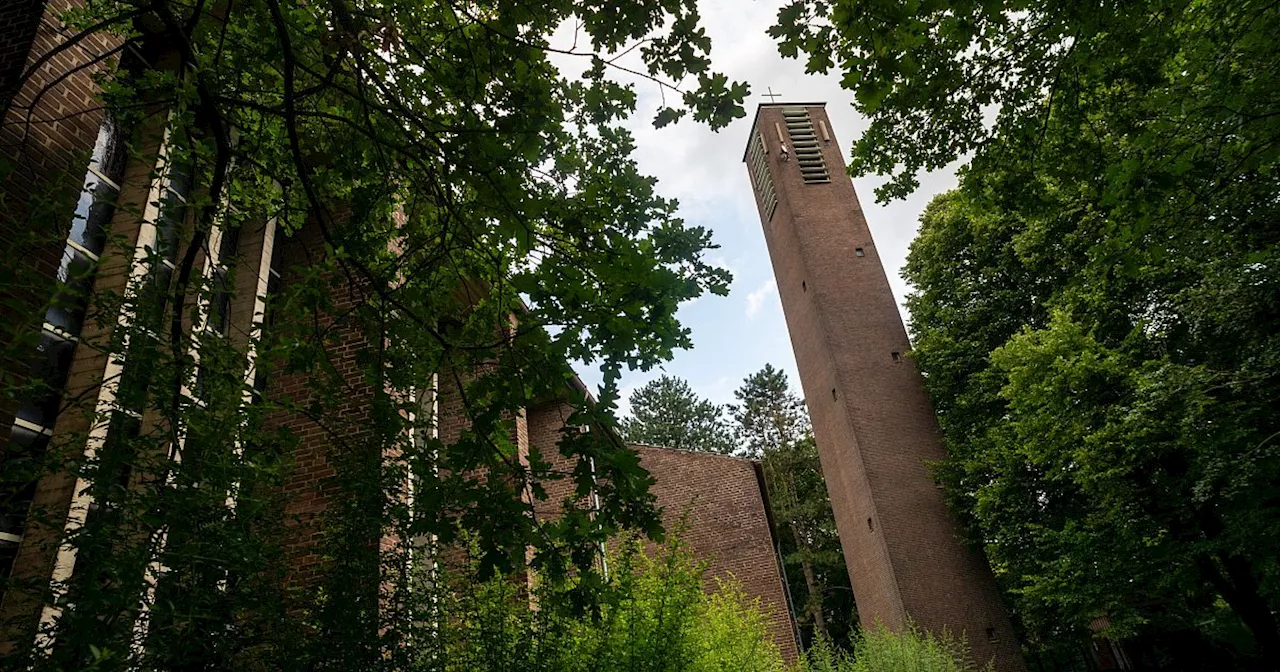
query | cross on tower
[771, 95]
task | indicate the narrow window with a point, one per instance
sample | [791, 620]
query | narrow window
[834, 397]
[804, 287]
[267, 319]
[870, 526]
[51, 363]
[857, 252]
[219, 302]
[761, 178]
[897, 357]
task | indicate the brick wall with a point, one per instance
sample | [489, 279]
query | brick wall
[49, 125]
[873, 422]
[546, 426]
[18, 21]
[336, 438]
[720, 501]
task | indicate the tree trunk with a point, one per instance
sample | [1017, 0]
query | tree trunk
[815, 591]
[1239, 589]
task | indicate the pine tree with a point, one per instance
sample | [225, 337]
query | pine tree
[666, 412]
[774, 427]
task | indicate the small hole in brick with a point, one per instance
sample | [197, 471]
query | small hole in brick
[804, 286]
[870, 526]
[857, 252]
[897, 356]
[991, 634]
[834, 397]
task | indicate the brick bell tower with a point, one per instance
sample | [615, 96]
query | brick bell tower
[873, 422]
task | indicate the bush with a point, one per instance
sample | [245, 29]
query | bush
[882, 650]
[654, 617]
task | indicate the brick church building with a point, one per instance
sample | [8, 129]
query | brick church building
[872, 419]
[43, 140]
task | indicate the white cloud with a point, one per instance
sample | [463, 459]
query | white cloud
[720, 390]
[624, 399]
[704, 170]
[755, 299]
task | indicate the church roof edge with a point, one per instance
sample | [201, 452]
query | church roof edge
[690, 451]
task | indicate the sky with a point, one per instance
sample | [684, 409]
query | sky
[737, 335]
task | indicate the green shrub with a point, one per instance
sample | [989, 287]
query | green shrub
[654, 617]
[730, 634]
[882, 650]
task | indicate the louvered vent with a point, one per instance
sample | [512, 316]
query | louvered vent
[804, 142]
[760, 176]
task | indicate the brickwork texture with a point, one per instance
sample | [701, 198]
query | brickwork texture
[874, 424]
[717, 503]
[51, 117]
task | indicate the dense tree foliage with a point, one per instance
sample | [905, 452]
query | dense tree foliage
[455, 179]
[667, 412]
[1096, 307]
[1111, 464]
[941, 79]
[773, 426]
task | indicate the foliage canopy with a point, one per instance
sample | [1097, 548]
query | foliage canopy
[447, 178]
[1095, 306]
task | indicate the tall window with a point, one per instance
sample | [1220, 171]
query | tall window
[168, 595]
[34, 421]
[122, 397]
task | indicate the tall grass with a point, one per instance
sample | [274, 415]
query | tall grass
[882, 650]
